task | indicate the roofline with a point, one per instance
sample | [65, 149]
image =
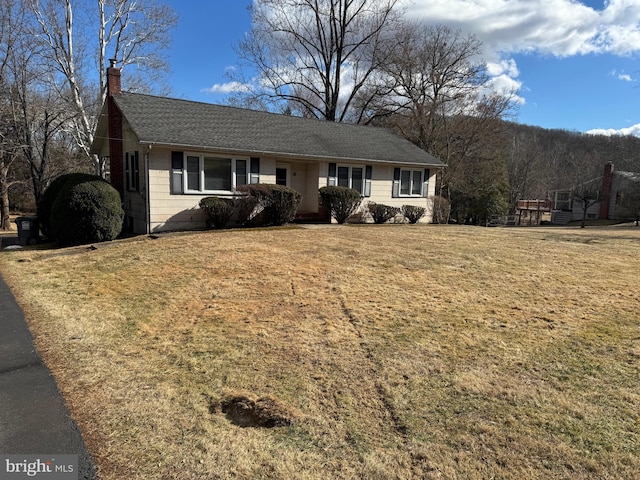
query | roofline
[286, 154]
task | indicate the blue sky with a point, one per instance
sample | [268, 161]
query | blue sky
[576, 64]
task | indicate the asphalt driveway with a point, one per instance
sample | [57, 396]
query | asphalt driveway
[33, 415]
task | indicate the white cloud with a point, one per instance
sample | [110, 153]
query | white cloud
[625, 77]
[633, 130]
[504, 67]
[554, 27]
[504, 78]
[229, 87]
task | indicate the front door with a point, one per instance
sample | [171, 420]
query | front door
[282, 175]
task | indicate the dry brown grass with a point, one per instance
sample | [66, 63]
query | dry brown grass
[396, 351]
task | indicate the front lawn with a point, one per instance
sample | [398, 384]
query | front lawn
[382, 351]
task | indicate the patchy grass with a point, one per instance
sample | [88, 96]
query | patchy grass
[373, 351]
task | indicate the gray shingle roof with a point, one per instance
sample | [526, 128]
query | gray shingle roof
[186, 124]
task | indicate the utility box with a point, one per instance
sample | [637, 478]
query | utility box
[28, 230]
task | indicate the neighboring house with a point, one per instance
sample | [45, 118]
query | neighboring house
[609, 192]
[166, 154]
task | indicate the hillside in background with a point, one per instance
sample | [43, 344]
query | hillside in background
[539, 160]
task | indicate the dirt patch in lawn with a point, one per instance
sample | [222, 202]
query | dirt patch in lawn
[248, 410]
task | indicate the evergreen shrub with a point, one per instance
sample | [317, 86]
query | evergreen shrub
[342, 202]
[382, 213]
[413, 213]
[49, 197]
[284, 204]
[245, 206]
[219, 210]
[279, 203]
[87, 209]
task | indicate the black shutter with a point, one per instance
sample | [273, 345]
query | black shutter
[177, 166]
[255, 170]
[127, 171]
[368, 173]
[136, 172]
[395, 190]
[332, 178]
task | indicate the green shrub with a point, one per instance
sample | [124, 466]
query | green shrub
[245, 206]
[49, 197]
[284, 204]
[219, 210]
[413, 213]
[278, 202]
[382, 213]
[87, 209]
[342, 202]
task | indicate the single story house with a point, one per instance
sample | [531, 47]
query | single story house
[166, 154]
[608, 192]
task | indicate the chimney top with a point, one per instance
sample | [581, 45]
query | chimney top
[113, 79]
[608, 168]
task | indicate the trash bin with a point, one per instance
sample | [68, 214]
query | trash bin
[28, 230]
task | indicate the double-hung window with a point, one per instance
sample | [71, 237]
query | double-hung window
[357, 177]
[410, 183]
[200, 173]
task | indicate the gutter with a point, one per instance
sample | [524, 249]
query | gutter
[290, 156]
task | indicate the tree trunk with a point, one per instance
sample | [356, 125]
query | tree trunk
[5, 221]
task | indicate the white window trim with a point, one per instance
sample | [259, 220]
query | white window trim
[201, 157]
[409, 195]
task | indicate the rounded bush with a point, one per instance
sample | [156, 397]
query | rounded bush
[49, 197]
[219, 210]
[413, 213]
[284, 204]
[279, 203]
[382, 213]
[87, 209]
[342, 202]
[245, 206]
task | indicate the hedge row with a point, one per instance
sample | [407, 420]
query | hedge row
[257, 203]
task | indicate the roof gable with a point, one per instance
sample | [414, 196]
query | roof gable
[193, 125]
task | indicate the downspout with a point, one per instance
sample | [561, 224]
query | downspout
[147, 208]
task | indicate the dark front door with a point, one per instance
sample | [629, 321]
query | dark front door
[281, 176]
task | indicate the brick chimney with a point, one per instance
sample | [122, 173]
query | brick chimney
[116, 153]
[605, 192]
[113, 78]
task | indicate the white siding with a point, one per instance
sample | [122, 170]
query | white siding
[382, 188]
[181, 211]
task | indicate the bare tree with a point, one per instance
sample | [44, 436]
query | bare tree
[11, 30]
[132, 31]
[587, 186]
[315, 57]
[523, 157]
[442, 100]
